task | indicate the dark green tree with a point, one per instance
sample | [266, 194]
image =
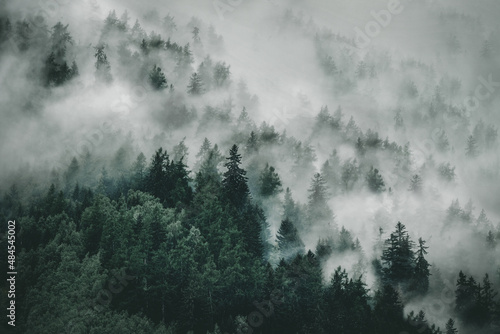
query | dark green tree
[388, 311]
[289, 241]
[450, 327]
[269, 182]
[398, 257]
[375, 181]
[157, 78]
[421, 272]
[235, 182]
[318, 209]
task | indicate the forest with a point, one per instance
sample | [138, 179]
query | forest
[166, 175]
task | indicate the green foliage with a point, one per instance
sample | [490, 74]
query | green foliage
[289, 241]
[398, 256]
[235, 182]
[318, 209]
[157, 78]
[195, 86]
[375, 181]
[102, 66]
[269, 182]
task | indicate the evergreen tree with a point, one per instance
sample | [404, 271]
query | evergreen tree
[375, 181]
[421, 272]
[290, 208]
[289, 241]
[56, 70]
[102, 66]
[195, 86]
[398, 257]
[221, 74]
[269, 182]
[388, 311]
[450, 327]
[398, 121]
[252, 143]
[235, 182]
[349, 174]
[471, 150]
[416, 184]
[318, 209]
[157, 78]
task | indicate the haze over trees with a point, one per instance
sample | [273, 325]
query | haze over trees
[169, 174]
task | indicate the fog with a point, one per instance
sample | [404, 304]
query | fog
[275, 48]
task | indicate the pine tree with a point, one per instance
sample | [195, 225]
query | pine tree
[221, 74]
[450, 327]
[388, 312]
[471, 149]
[398, 257]
[360, 147]
[421, 272]
[318, 209]
[490, 240]
[375, 181]
[349, 173]
[204, 149]
[398, 121]
[487, 301]
[102, 66]
[289, 241]
[252, 143]
[195, 86]
[416, 184]
[290, 209]
[269, 182]
[138, 171]
[235, 181]
[156, 177]
[157, 78]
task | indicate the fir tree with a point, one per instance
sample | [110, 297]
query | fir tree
[450, 327]
[157, 78]
[289, 241]
[398, 257]
[471, 150]
[416, 184]
[195, 86]
[269, 182]
[375, 181]
[421, 272]
[102, 66]
[318, 210]
[235, 181]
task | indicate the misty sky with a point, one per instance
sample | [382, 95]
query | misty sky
[279, 64]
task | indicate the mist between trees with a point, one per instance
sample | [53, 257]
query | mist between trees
[269, 178]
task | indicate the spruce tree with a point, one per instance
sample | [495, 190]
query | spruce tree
[318, 209]
[235, 182]
[157, 78]
[416, 184]
[450, 327]
[269, 182]
[471, 150]
[375, 181]
[398, 257]
[102, 66]
[195, 86]
[421, 273]
[289, 241]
